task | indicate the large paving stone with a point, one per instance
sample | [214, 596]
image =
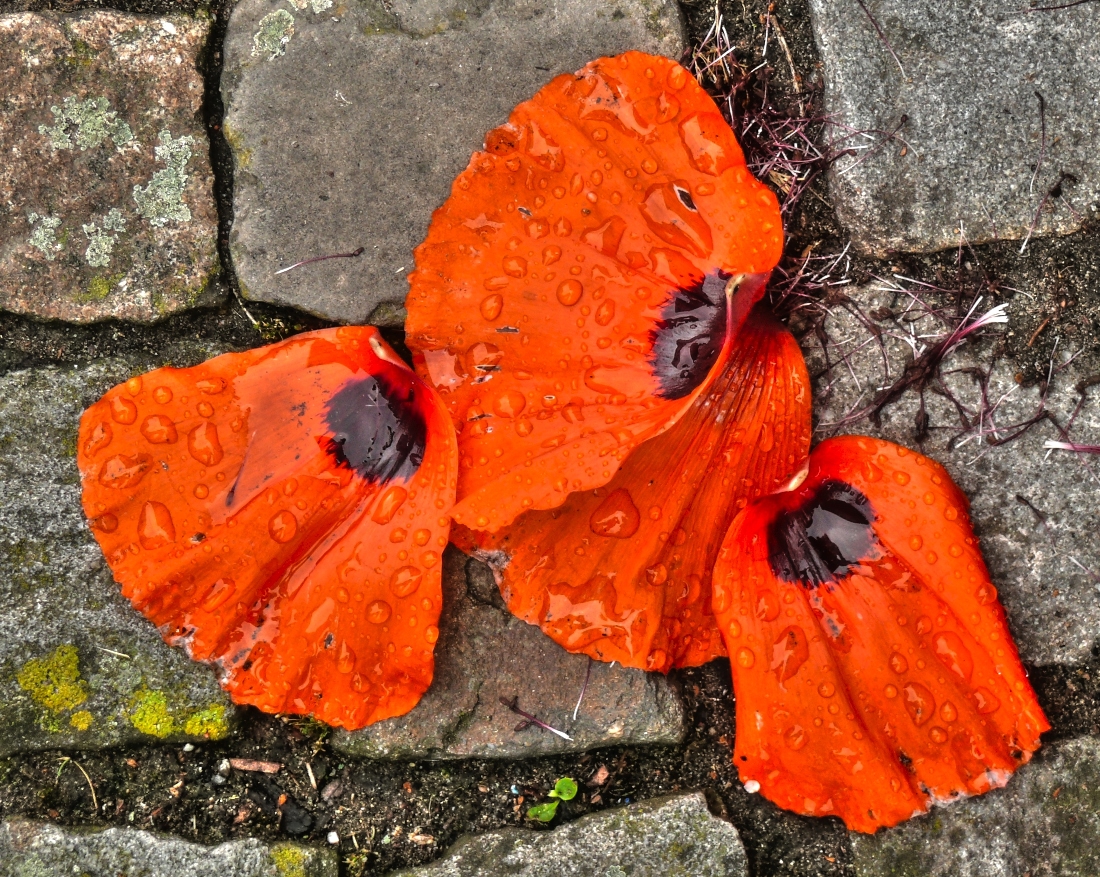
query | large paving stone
[485, 654]
[1044, 823]
[106, 191]
[79, 668]
[34, 849]
[1040, 568]
[348, 124]
[664, 837]
[966, 155]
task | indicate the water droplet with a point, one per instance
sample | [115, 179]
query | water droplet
[345, 658]
[123, 410]
[205, 409]
[924, 625]
[283, 526]
[201, 491]
[901, 478]
[108, 523]
[389, 502]
[203, 444]
[702, 135]
[218, 594]
[398, 534]
[745, 658]
[767, 606]
[657, 574]
[898, 663]
[431, 634]
[721, 598]
[890, 691]
[155, 526]
[605, 313]
[491, 306]
[98, 439]
[919, 703]
[569, 292]
[122, 472]
[954, 655]
[948, 712]
[599, 134]
[929, 498]
[405, 581]
[950, 513]
[616, 516]
[158, 430]
[163, 395]
[871, 472]
[210, 386]
[766, 441]
[421, 537]
[524, 427]
[550, 255]
[429, 559]
[826, 689]
[343, 595]
[985, 594]
[790, 651]
[985, 701]
[379, 612]
[674, 222]
[937, 734]
[509, 404]
[513, 266]
[795, 737]
[133, 386]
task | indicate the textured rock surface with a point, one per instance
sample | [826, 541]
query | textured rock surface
[1040, 568]
[484, 654]
[79, 668]
[106, 198]
[965, 157]
[30, 849]
[1045, 823]
[664, 837]
[348, 125]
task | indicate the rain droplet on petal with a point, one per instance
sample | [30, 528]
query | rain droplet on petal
[283, 526]
[569, 292]
[745, 658]
[389, 502]
[204, 445]
[123, 410]
[405, 581]
[491, 306]
[616, 516]
[155, 526]
[379, 612]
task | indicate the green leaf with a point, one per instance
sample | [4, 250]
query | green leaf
[543, 812]
[565, 788]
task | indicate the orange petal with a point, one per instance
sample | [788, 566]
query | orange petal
[873, 668]
[582, 282]
[281, 513]
[622, 572]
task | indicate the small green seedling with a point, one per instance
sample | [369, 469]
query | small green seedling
[564, 789]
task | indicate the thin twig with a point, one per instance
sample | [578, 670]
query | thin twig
[881, 35]
[351, 255]
[91, 787]
[513, 705]
[584, 687]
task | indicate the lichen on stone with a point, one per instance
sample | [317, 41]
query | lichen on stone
[161, 201]
[44, 236]
[54, 682]
[210, 723]
[82, 720]
[289, 861]
[149, 713]
[94, 121]
[276, 29]
[102, 238]
[317, 6]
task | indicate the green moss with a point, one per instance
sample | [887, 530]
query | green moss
[82, 720]
[149, 713]
[210, 723]
[289, 861]
[54, 682]
[276, 29]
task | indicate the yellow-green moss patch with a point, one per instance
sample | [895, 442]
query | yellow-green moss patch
[54, 681]
[149, 713]
[289, 861]
[210, 723]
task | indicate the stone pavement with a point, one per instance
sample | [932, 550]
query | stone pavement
[347, 123]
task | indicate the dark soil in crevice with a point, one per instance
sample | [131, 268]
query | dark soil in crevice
[375, 807]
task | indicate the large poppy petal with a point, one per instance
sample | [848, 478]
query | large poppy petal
[282, 513]
[583, 280]
[873, 667]
[622, 572]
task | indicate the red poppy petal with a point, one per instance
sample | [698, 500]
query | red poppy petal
[282, 513]
[620, 573]
[874, 670]
[580, 285]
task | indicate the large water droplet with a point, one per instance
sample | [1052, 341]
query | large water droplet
[985, 701]
[514, 266]
[345, 658]
[937, 734]
[871, 472]
[155, 526]
[218, 594]
[919, 702]
[605, 313]
[122, 471]
[569, 292]
[616, 516]
[405, 581]
[98, 438]
[674, 222]
[898, 663]
[203, 444]
[954, 655]
[108, 523]
[985, 594]
[795, 737]
[162, 395]
[901, 478]
[948, 712]
[703, 135]
[790, 651]
[123, 410]
[210, 386]
[283, 526]
[745, 658]
[491, 306]
[656, 574]
[379, 612]
[767, 606]
[389, 502]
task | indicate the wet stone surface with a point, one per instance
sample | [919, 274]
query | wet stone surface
[483, 655]
[79, 668]
[964, 158]
[28, 849]
[106, 186]
[663, 837]
[1039, 555]
[348, 124]
[1045, 822]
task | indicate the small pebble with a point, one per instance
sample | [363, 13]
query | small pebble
[188, 747]
[224, 767]
[218, 779]
[333, 838]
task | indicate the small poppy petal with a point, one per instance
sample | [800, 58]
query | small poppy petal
[622, 573]
[281, 513]
[874, 670]
[580, 286]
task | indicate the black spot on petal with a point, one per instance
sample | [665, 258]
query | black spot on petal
[822, 540]
[687, 340]
[377, 428]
